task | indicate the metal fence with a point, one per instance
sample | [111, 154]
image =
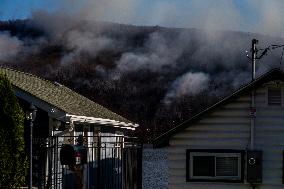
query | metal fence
[113, 162]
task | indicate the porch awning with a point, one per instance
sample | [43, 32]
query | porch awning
[100, 121]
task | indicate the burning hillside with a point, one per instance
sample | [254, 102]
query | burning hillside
[155, 76]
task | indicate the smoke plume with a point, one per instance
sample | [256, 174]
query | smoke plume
[10, 46]
[188, 84]
[157, 53]
[184, 59]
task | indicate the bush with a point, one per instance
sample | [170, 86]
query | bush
[13, 159]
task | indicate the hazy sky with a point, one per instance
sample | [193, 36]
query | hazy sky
[262, 16]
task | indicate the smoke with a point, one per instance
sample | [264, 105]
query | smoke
[66, 24]
[260, 16]
[54, 24]
[186, 58]
[188, 84]
[214, 15]
[10, 46]
[80, 37]
[270, 14]
[157, 53]
[172, 54]
[132, 68]
[86, 42]
[122, 11]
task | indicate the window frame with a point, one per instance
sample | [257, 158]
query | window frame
[217, 153]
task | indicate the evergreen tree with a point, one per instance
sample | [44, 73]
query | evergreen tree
[13, 160]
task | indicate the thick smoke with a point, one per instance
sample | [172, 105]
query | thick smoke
[186, 58]
[80, 37]
[85, 42]
[10, 47]
[157, 53]
[188, 84]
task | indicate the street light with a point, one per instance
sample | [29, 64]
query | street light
[30, 116]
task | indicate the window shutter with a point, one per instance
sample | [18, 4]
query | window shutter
[226, 166]
[274, 96]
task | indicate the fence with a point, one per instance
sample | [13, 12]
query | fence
[113, 162]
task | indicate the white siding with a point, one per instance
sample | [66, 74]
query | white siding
[228, 127]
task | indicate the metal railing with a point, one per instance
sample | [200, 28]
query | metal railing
[113, 162]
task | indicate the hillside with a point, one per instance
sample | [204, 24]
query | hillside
[155, 76]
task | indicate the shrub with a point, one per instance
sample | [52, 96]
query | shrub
[13, 159]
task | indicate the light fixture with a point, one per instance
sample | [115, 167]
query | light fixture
[31, 113]
[57, 124]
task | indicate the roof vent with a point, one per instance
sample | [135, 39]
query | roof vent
[274, 96]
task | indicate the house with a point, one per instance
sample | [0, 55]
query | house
[236, 143]
[62, 116]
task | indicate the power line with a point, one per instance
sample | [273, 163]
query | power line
[265, 52]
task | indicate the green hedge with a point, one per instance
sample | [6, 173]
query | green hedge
[13, 159]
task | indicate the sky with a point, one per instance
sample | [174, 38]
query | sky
[262, 16]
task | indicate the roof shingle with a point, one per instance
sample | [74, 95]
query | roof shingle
[59, 96]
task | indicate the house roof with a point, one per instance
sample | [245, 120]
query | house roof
[59, 96]
[274, 74]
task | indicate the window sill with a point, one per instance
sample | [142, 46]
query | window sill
[215, 180]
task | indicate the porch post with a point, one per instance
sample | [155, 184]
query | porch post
[31, 155]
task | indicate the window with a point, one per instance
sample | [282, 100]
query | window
[215, 165]
[274, 96]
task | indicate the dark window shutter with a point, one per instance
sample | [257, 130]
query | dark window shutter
[227, 166]
[274, 96]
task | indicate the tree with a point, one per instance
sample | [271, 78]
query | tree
[13, 159]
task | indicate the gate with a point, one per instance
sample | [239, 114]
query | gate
[113, 162]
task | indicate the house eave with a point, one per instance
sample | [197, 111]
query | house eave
[274, 74]
[56, 113]
[100, 121]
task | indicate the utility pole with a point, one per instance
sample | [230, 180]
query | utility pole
[253, 56]
[252, 107]
[253, 59]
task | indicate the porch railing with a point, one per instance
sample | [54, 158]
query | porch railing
[113, 162]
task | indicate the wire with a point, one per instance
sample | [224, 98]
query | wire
[271, 47]
[276, 46]
[264, 52]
